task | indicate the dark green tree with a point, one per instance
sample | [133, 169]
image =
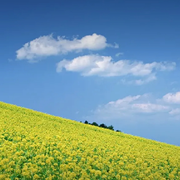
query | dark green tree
[118, 131]
[86, 122]
[103, 126]
[94, 124]
[111, 127]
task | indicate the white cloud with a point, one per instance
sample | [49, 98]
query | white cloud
[115, 109]
[119, 54]
[150, 78]
[173, 82]
[136, 104]
[48, 46]
[172, 98]
[113, 46]
[149, 107]
[10, 60]
[77, 112]
[131, 106]
[90, 65]
[142, 81]
[175, 111]
[124, 101]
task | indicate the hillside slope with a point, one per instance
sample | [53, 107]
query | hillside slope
[35, 145]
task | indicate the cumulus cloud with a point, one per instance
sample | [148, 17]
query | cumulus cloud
[172, 98]
[149, 107]
[135, 104]
[48, 46]
[116, 109]
[131, 106]
[91, 65]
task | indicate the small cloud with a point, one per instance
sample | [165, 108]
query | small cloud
[10, 60]
[49, 46]
[119, 54]
[116, 45]
[149, 107]
[172, 98]
[175, 111]
[142, 81]
[150, 78]
[174, 82]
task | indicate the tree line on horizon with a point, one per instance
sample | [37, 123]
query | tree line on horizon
[101, 125]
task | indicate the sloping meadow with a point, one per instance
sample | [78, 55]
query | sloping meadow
[36, 145]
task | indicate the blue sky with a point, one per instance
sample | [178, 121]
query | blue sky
[112, 62]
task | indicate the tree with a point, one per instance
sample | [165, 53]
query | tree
[110, 127]
[118, 131]
[86, 122]
[103, 126]
[94, 124]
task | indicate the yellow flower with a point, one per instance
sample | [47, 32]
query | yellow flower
[2, 176]
[104, 176]
[18, 171]
[36, 176]
[48, 161]
[34, 170]
[124, 178]
[118, 176]
[171, 176]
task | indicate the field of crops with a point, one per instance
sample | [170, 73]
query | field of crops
[35, 145]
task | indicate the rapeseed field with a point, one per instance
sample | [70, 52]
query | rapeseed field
[36, 145]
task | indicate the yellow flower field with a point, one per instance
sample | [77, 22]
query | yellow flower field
[36, 145]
